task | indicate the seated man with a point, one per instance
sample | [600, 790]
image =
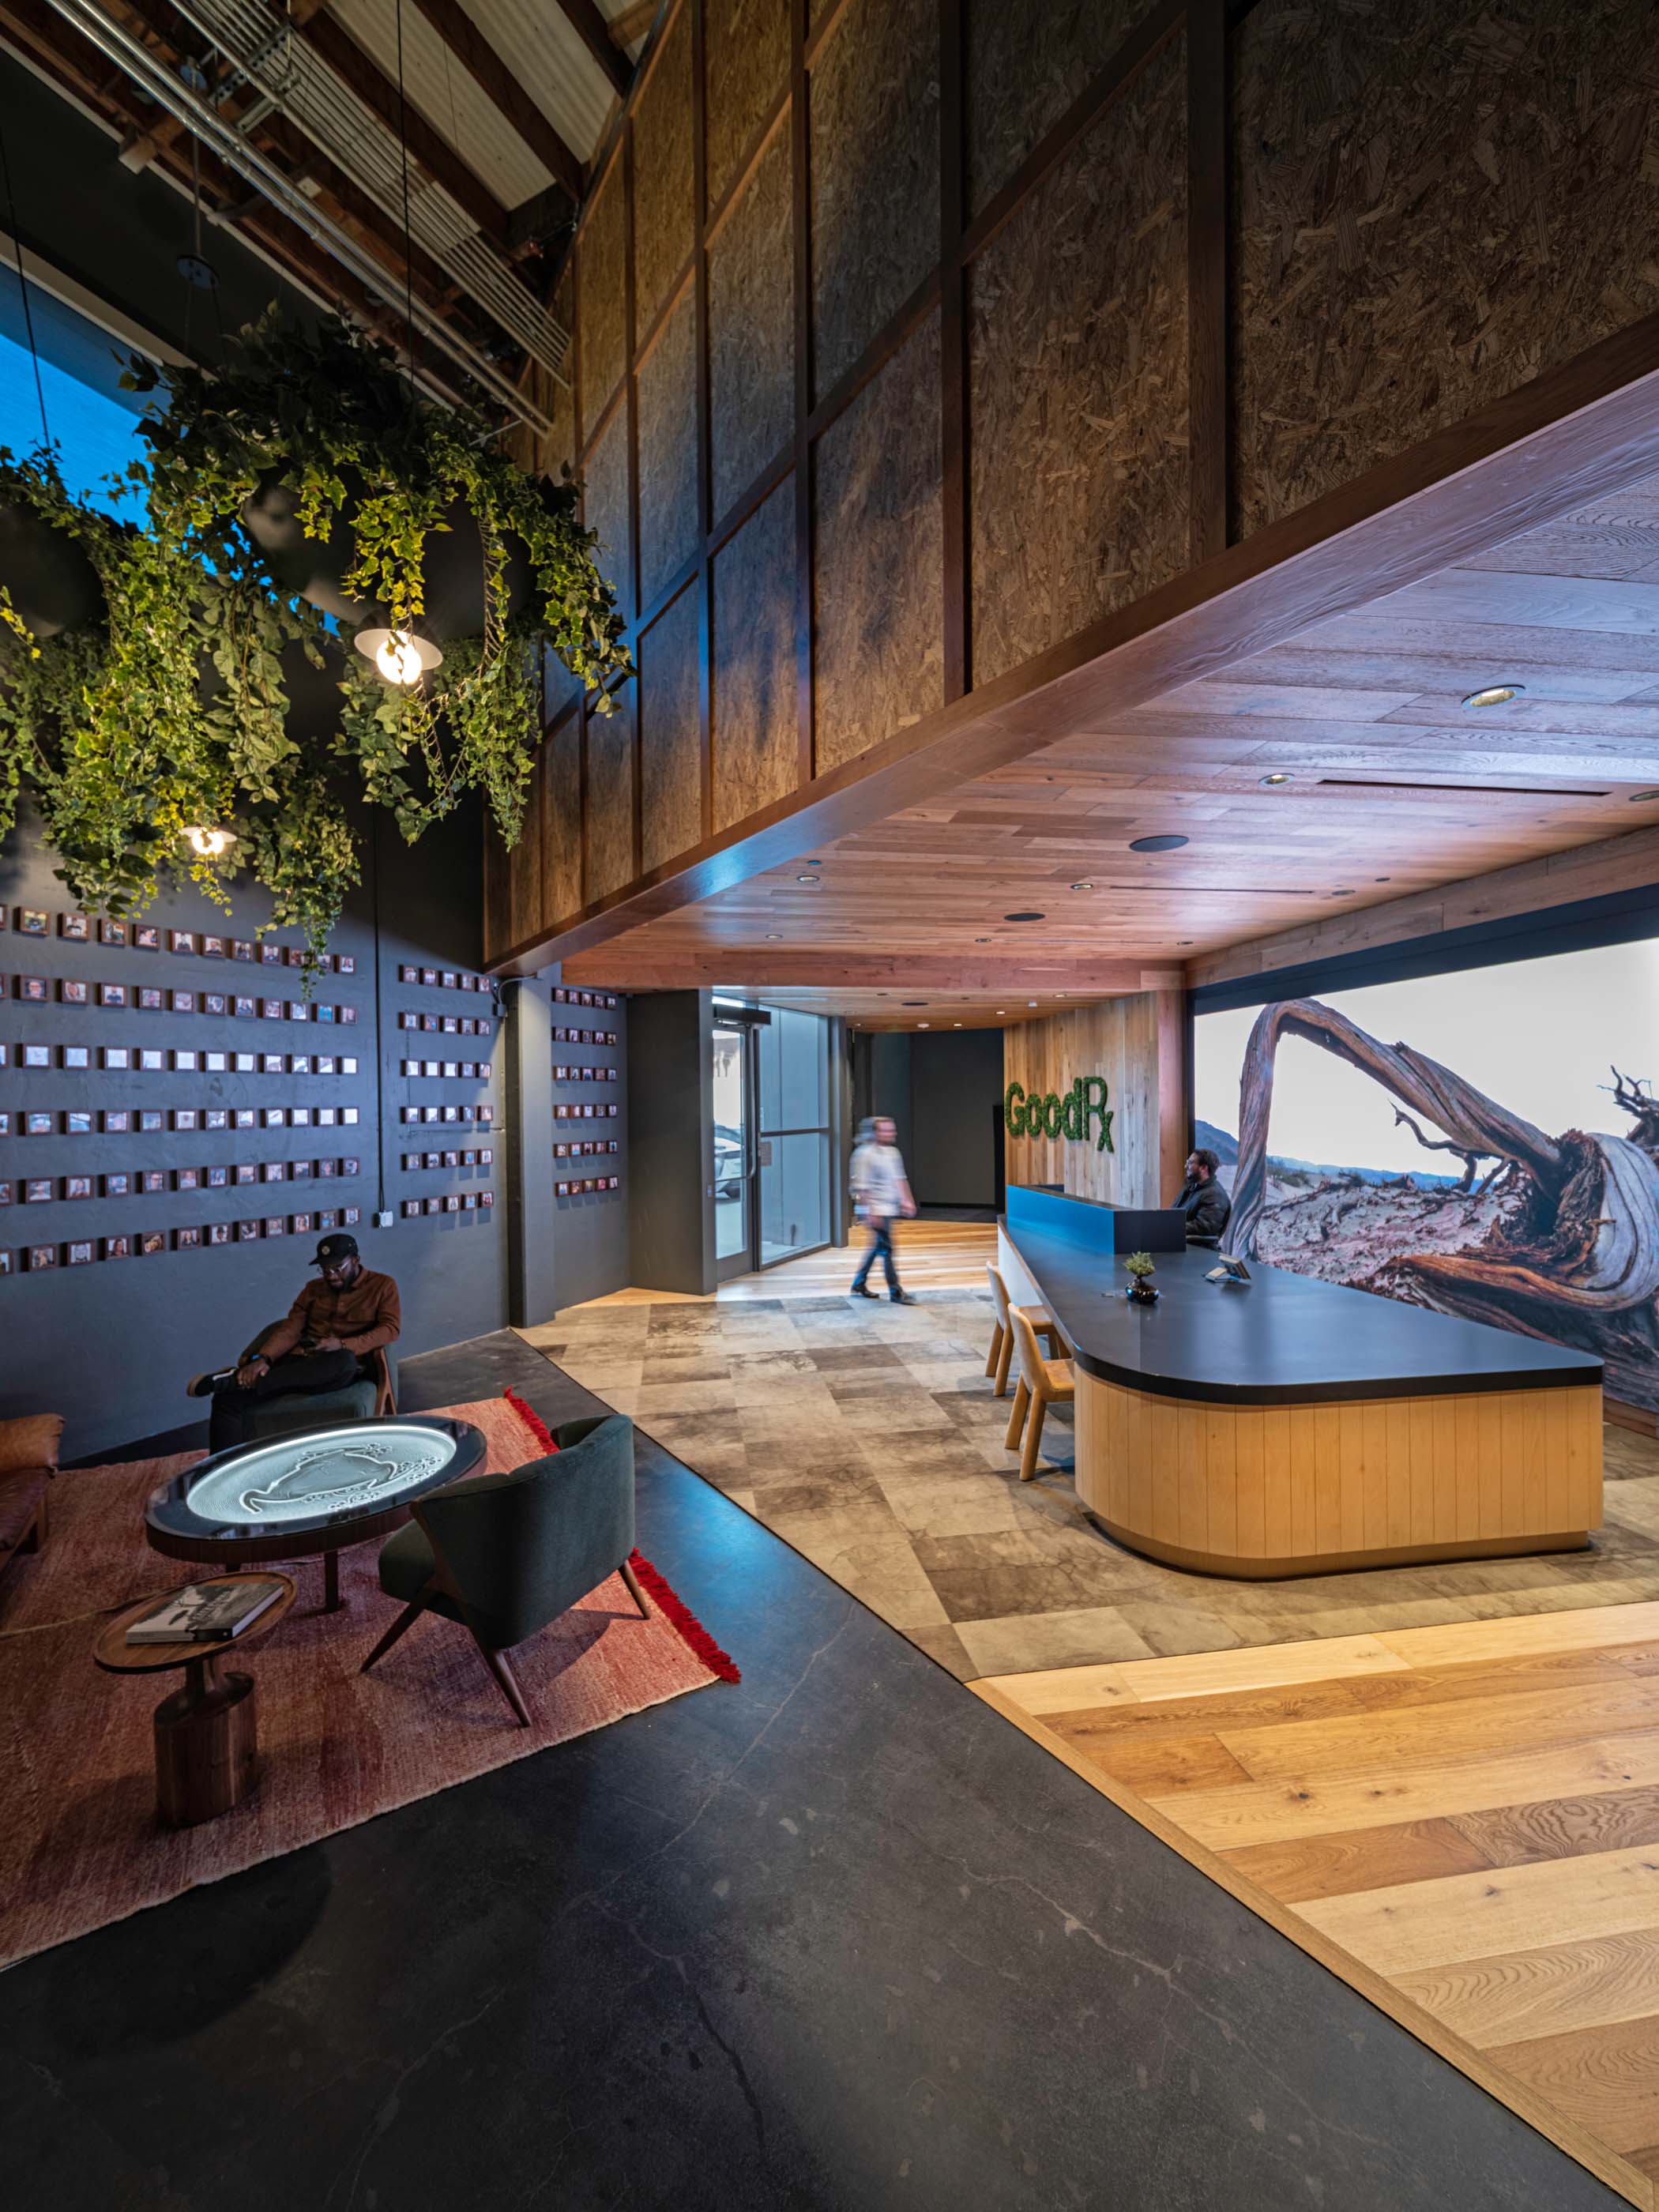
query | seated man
[331, 1326]
[1201, 1198]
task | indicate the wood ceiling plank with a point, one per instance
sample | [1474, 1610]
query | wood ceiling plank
[1597, 605]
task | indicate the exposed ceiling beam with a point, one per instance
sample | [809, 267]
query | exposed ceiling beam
[631, 962]
[594, 33]
[434, 154]
[491, 74]
[632, 23]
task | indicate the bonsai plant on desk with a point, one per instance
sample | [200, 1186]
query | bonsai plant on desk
[1140, 1272]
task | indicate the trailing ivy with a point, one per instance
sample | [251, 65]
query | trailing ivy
[175, 709]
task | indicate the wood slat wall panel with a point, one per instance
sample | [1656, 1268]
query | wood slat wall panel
[1459, 201]
[874, 114]
[752, 334]
[610, 818]
[877, 615]
[748, 47]
[754, 742]
[669, 533]
[607, 506]
[1025, 66]
[1121, 1040]
[562, 818]
[663, 209]
[1077, 383]
[671, 746]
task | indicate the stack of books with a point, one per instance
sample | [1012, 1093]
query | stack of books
[206, 1612]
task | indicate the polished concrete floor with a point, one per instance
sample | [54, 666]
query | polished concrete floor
[839, 1937]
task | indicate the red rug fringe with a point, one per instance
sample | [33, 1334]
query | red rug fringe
[672, 1608]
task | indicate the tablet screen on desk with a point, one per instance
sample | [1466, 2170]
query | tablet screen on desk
[1229, 1271]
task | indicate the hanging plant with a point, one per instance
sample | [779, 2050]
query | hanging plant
[176, 708]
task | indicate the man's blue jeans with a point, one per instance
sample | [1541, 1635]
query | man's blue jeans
[881, 1241]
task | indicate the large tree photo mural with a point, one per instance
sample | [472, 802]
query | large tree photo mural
[1467, 1204]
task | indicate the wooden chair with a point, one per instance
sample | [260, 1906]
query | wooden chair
[1041, 1381]
[28, 1460]
[1002, 1337]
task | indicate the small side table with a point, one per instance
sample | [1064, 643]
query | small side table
[206, 1734]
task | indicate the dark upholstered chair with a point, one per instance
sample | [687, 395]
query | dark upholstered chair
[370, 1398]
[28, 1460]
[504, 1554]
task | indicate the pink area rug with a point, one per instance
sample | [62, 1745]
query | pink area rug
[80, 1843]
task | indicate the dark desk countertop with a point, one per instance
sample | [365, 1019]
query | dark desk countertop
[1282, 1339]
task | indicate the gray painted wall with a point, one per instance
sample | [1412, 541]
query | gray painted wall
[671, 1141]
[110, 1345]
[939, 1088]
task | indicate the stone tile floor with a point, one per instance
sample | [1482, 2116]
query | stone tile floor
[867, 1435]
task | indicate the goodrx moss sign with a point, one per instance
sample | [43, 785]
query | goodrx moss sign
[1056, 1114]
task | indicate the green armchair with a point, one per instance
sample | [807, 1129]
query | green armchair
[372, 1397]
[504, 1554]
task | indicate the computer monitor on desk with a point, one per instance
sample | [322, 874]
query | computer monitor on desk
[1148, 1229]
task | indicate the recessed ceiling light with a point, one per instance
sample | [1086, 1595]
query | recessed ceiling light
[1025, 915]
[1341, 894]
[924, 1025]
[1083, 887]
[913, 1002]
[1156, 844]
[955, 1025]
[1030, 1002]
[1183, 940]
[774, 937]
[981, 940]
[1002, 1009]
[807, 879]
[1494, 695]
[1638, 797]
[1389, 879]
[1279, 776]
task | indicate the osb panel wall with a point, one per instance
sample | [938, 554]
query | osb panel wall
[1078, 351]
[605, 507]
[671, 745]
[1118, 1039]
[524, 867]
[662, 174]
[602, 275]
[751, 328]
[562, 819]
[875, 172]
[878, 599]
[757, 742]
[1025, 66]
[746, 44]
[1434, 200]
[669, 527]
[610, 811]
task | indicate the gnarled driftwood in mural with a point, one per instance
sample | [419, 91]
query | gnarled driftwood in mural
[1574, 1257]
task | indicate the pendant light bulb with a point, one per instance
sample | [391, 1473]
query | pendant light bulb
[209, 844]
[402, 656]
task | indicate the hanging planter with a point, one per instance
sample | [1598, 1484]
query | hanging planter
[303, 480]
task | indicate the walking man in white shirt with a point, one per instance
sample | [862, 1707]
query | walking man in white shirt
[880, 1192]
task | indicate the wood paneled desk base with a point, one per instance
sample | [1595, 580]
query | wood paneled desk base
[1259, 1491]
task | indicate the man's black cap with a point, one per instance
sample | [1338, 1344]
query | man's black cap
[335, 1248]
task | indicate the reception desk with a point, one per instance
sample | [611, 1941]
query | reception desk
[1290, 1426]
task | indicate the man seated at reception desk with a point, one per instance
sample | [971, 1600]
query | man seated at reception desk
[1200, 1197]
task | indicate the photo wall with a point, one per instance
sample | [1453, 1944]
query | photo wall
[1484, 1143]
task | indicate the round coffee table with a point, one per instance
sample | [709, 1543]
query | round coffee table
[207, 1744]
[309, 1495]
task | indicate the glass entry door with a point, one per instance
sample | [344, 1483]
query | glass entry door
[734, 1150]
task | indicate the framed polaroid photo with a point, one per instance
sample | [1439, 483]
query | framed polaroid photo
[111, 995]
[469, 1201]
[350, 1216]
[447, 1114]
[562, 1189]
[149, 1000]
[215, 1002]
[152, 1060]
[270, 1010]
[488, 1112]
[146, 936]
[244, 1008]
[115, 1121]
[428, 1159]
[216, 1063]
[151, 1120]
[299, 1225]
[111, 932]
[33, 922]
[469, 1026]
[560, 994]
[298, 1063]
[245, 1063]
[152, 1181]
[117, 1185]
[117, 1248]
[345, 963]
[186, 1117]
[323, 1064]
[433, 1204]
[215, 1117]
[216, 1232]
[453, 1202]
[408, 1021]
[77, 928]
[32, 989]
[452, 1025]
[41, 1256]
[247, 1233]
[294, 955]
[275, 1224]
[270, 955]
[73, 992]
[38, 1125]
[216, 1178]
[350, 1167]
[487, 1156]
[242, 948]
[78, 1122]
[349, 1117]
[326, 1170]
[299, 1117]
[408, 975]
[327, 1117]
[186, 1063]
[449, 979]
[35, 1055]
[5, 1121]
[429, 1023]
[452, 1068]
[429, 977]
[300, 1171]
[38, 1189]
[273, 1063]
[187, 1178]
[273, 1117]
[411, 1207]
[115, 1056]
[184, 1002]
[5, 1256]
[181, 940]
[330, 1014]
[436, 1113]
[329, 1219]
[298, 1010]
[213, 948]
[246, 1172]
[76, 1055]
[274, 1172]
[77, 1186]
